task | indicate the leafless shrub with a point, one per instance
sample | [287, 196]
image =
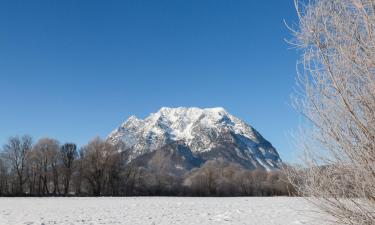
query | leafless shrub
[337, 96]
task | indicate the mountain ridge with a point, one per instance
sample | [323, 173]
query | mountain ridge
[209, 133]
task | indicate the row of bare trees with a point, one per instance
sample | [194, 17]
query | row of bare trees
[45, 168]
[214, 178]
[48, 168]
[218, 178]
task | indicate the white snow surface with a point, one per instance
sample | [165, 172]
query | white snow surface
[157, 211]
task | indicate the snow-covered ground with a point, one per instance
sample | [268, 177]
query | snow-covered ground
[156, 210]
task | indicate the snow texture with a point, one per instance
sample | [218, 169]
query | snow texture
[157, 210]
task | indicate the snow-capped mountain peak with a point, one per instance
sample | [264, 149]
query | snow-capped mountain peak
[202, 130]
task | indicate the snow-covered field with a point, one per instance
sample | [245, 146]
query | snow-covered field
[156, 210]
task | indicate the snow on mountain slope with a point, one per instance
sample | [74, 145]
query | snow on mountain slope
[210, 133]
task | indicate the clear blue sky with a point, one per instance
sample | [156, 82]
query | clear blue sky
[73, 70]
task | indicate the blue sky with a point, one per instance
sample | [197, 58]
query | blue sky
[74, 70]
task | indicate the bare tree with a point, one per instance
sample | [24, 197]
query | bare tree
[46, 151]
[68, 153]
[3, 177]
[259, 176]
[337, 80]
[78, 173]
[34, 172]
[16, 152]
[132, 179]
[98, 156]
[245, 182]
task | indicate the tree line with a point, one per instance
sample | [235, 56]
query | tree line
[48, 168]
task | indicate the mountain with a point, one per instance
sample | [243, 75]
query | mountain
[192, 136]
